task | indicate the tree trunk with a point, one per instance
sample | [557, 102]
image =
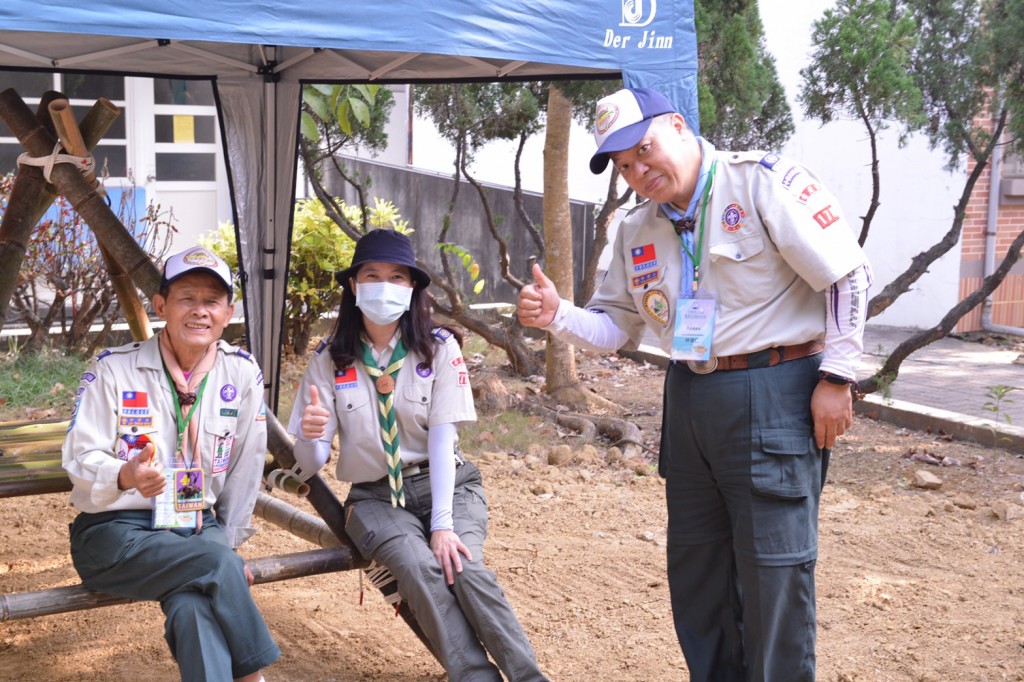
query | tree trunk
[560, 371]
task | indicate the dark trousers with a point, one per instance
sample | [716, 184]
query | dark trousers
[743, 484]
[463, 622]
[213, 628]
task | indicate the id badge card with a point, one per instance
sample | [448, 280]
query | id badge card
[165, 513]
[188, 490]
[695, 326]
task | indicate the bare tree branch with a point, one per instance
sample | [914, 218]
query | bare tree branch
[890, 369]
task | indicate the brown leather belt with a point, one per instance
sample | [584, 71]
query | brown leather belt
[762, 358]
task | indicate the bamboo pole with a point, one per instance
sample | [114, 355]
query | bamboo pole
[131, 305]
[28, 465]
[42, 486]
[90, 205]
[21, 216]
[33, 473]
[29, 428]
[265, 570]
[297, 522]
[30, 451]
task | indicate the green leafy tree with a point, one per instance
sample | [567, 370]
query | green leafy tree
[741, 103]
[319, 249]
[335, 117]
[861, 71]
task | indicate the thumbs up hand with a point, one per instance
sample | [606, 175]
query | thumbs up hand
[314, 416]
[538, 302]
[143, 473]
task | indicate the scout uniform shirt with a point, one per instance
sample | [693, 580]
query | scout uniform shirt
[774, 239]
[124, 399]
[425, 395]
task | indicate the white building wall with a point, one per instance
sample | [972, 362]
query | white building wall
[917, 194]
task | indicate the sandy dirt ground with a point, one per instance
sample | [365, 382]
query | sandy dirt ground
[913, 584]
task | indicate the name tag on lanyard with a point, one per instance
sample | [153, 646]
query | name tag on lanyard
[694, 329]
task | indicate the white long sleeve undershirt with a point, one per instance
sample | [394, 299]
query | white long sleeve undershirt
[311, 455]
[587, 329]
[846, 313]
[846, 308]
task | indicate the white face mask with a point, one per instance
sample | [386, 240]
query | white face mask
[383, 302]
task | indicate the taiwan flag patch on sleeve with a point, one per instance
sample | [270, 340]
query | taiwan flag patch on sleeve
[134, 399]
[643, 257]
[345, 378]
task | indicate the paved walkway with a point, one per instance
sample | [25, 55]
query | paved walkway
[950, 374]
[946, 385]
[943, 386]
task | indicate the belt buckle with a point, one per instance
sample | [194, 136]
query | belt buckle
[411, 470]
[703, 366]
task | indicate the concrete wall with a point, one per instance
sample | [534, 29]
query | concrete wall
[422, 198]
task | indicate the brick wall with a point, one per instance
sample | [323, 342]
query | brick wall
[1008, 299]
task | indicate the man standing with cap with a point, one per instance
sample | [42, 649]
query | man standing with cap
[744, 268]
[166, 449]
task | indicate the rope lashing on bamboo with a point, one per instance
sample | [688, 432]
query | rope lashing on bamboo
[291, 480]
[380, 576]
[85, 164]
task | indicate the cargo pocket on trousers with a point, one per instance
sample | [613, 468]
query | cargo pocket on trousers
[369, 525]
[785, 466]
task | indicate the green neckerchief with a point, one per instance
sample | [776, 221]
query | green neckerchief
[182, 422]
[388, 424]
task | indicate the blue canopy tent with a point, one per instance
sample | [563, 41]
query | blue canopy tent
[259, 53]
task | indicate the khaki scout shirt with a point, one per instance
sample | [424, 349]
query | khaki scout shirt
[774, 239]
[125, 394]
[425, 395]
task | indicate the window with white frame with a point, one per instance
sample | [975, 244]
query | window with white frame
[185, 130]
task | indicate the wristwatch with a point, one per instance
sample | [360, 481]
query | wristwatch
[835, 379]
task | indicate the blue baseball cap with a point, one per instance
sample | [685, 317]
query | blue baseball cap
[623, 119]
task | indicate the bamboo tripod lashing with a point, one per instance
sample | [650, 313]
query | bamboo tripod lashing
[32, 194]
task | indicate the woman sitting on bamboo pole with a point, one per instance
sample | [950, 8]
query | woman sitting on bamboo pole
[393, 387]
[166, 449]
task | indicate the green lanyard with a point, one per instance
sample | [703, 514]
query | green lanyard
[699, 246]
[183, 422]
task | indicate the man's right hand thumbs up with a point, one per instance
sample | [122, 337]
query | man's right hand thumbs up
[314, 416]
[538, 302]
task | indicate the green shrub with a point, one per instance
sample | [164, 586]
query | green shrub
[319, 249]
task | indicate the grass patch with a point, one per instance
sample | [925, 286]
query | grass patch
[47, 379]
[511, 432]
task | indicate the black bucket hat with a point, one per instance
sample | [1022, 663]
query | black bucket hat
[384, 246]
